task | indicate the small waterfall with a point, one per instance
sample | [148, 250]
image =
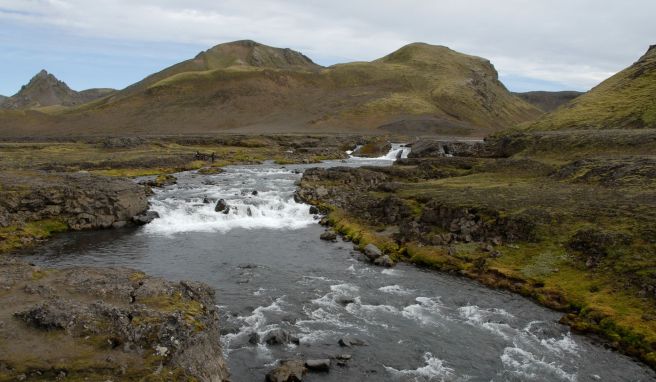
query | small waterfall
[397, 151]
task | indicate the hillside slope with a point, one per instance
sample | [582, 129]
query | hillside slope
[626, 100]
[44, 90]
[548, 101]
[248, 87]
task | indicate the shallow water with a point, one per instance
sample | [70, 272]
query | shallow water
[271, 271]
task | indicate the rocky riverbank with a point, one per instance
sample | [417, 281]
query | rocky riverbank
[94, 323]
[35, 204]
[103, 324]
[575, 235]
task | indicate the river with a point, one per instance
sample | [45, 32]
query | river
[271, 271]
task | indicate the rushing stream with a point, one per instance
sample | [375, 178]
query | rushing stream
[271, 271]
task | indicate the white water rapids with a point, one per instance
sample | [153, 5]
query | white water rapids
[258, 196]
[271, 272]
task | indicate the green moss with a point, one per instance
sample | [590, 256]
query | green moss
[15, 237]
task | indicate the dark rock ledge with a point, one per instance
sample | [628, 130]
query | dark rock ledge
[86, 323]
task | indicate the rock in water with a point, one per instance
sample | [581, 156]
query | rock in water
[221, 205]
[288, 371]
[372, 252]
[328, 236]
[384, 261]
[318, 364]
[145, 218]
[314, 210]
[279, 337]
[350, 342]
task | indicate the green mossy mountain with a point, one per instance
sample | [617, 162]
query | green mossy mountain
[244, 86]
[626, 100]
[45, 90]
[548, 101]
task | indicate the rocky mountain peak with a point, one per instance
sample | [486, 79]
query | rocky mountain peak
[252, 53]
[44, 89]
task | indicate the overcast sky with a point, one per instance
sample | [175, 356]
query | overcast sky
[534, 44]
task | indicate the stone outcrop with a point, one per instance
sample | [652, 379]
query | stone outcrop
[438, 223]
[427, 148]
[105, 323]
[80, 200]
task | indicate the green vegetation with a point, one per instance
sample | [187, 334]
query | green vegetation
[14, 237]
[625, 100]
[255, 88]
[564, 220]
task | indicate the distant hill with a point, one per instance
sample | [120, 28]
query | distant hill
[626, 100]
[548, 101]
[244, 86]
[2, 99]
[45, 90]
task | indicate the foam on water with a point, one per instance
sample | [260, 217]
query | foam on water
[493, 320]
[398, 151]
[434, 370]
[528, 367]
[267, 210]
[396, 289]
[426, 311]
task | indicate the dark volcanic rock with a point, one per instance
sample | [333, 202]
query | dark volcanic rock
[147, 322]
[221, 205]
[328, 236]
[384, 261]
[318, 364]
[80, 200]
[288, 371]
[372, 252]
[350, 342]
[145, 218]
[428, 148]
[279, 337]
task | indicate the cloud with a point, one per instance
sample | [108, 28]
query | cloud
[576, 44]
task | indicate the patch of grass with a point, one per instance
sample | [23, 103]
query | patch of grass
[16, 237]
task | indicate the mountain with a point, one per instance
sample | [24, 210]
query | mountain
[244, 86]
[44, 89]
[2, 99]
[548, 101]
[626, 100]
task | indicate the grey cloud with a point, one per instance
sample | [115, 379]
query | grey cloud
[578, 43]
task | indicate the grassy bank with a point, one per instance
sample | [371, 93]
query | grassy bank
[544, 272]
[577, 235]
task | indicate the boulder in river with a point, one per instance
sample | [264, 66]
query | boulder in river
[384, 261]
[279, 337]
[314, 210]
[328, 236]
[350, 342]
[253, 338]
[287, 371]
[318, 364]
[145, 218]
[372, 252]
[221, 205]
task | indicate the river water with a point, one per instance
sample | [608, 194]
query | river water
[271, 272]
